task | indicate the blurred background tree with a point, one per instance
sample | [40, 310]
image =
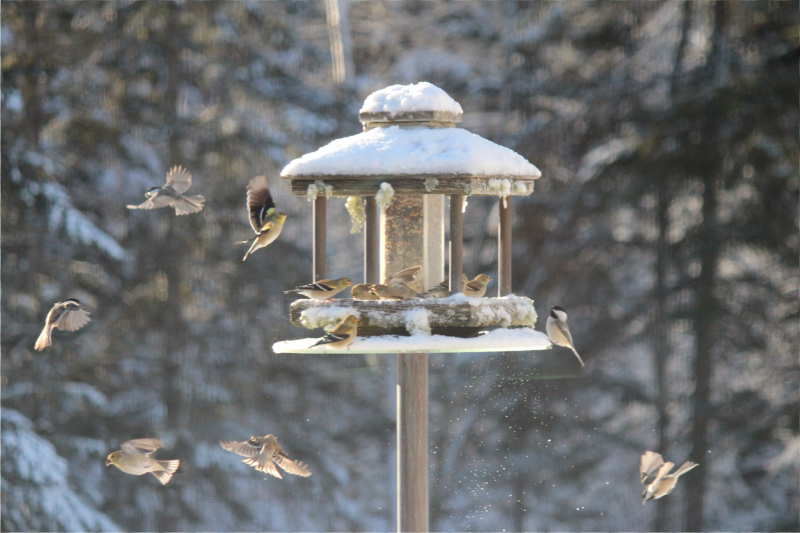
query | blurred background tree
[665, 223]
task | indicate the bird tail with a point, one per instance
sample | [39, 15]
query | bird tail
[685, 467]
[185, 205]
[576, 355]
[44, 339]
[163, 476]
[252, 248]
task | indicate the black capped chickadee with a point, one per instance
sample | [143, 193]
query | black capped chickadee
[261, 209]
[68, 315]
[263, 453]
[558, 331]
[171, 194]
[657, 482]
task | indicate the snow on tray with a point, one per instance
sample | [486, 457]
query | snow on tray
[395, 150]
[499, 340]
[422, 96]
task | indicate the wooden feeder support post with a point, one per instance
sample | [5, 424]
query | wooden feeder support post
[320, 238]
[456, 241]
[504, 249]
[372, 264]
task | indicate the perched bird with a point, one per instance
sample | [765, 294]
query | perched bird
[342, 335]
[361, 292]
[68, 315]
[171, 194]
[558, 331]
[135, 459]
[399, 291]
[265, 221]
[324, 289]
[442, 290]
[263, 453]
[655, 477]
[477, 287]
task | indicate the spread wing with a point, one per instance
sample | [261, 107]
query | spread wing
[73, 318]
[404, 276]
[154, 202]
[293, 467]
[267, 466]
[260, 206]
[179, 179]
[651, 462]
[145, 446]
[248, 448]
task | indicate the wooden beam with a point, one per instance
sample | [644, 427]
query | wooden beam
[431, 184]
[372, 262]
[320, 258]
[504, 249]
[456, 241]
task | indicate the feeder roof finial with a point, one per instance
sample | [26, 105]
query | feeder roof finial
[420, 102]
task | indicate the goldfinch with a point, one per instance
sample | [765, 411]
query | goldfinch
[558, 331]
[68, 315]
[394, 292]
[135, 459]
[404, 276]
[475, 288]
[342, 336]
[261, 209]
[655, 478]
[171, 194]
[442, 290]
[361, 292]
[263, 453]
[324, 289]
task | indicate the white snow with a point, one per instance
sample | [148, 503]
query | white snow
[384, 196]
[355, 207]
[422, 96]
[395, 150]
[325, 317]
[499, 340]
[417, 322]
[317, 188]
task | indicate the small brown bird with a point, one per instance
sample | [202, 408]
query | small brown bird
[323, 289]
[135, 459]
[442, 290]
[171, 194]
[342, 336]
[264, 220]
[263, 453]
[399, 291]
[68, 315]
[404, 276]
[477, 287]
[361, 292]
[655, 478]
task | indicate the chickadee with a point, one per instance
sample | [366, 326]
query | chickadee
[261, 209]
[323, 289]
[341, 336]
[263, 453]
[558, 331]
[135, 459]
[171, 194]
[657, 482]
[68, 315]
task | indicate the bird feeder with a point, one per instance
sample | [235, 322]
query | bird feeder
[407, 161]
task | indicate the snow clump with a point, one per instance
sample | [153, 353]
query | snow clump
[384, 196]
[422, 96]
[317, 188]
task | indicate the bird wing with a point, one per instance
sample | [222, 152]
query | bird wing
[179, 179]
[334, 336]
[145, 446]
[248, 448]
[154, 202]
[268, 467]
[475, 285]
[293, 467]
[651, 462]
[260, 206]
[321, 285]
[564, 330]
[404, 276]
[73, 318]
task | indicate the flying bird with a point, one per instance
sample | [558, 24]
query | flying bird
[558, 331]
[655, 477]
[171, 194]
[361, 292]
[263, 453]
[477, 287]
[267, 223]
[395, 287]
[135, 459]
[68, 315]
[323, 289]
[341, 336]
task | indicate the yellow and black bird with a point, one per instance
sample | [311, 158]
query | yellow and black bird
[266, 222]
[134, 458]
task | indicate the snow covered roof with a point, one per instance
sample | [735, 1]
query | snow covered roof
[412, 152]
[397, 99]
[499, 340]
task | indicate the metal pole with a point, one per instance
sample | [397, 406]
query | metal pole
[320, 239]
[372, 263]
[412, 442]
[456, 241]
[504, 245]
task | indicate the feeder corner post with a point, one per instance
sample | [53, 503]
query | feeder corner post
[504, 248]
[320, 255]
